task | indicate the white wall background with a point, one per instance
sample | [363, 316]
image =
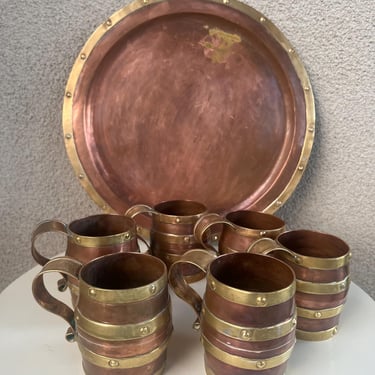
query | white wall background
[40, 40]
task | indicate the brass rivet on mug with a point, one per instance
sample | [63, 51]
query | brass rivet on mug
[350, 255]
[186, 239]
[334, 331]
[78, 239]
[127, 236]
[294, 322]
[113, 363]
[262, 233]
[177, 220]
[145, 330]
[213, 285]
[342, 286]
[92, 292]
[197, 325]
[298, 260]
[245, 333]
[318, 315]
[215, 238]
[261, 300]
[153, 289]
[261, 364]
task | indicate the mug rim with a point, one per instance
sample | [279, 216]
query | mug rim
[117, 296]
[249, 297]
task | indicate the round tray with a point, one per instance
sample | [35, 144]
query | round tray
[203, 100]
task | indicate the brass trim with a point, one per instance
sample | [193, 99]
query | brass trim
[249, 333]
[176, 239]
[67, 115]
[246, 363]
[316, 336]
[319, 314]
[101, 241]
[318, 263]
[122, 363]
[118, 296]
[176, 219]
[256, 299]
[123, 332]
[323, 288]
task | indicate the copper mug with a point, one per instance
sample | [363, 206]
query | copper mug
[87, 239]
[239, 229]
[321, 264]
[171, 233]
[122, 321]
[247, 315]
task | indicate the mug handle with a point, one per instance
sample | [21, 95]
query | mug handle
[69, 267]
[142, 233]
[265, 246]
[199, 258]
[204, 223]
[45, 227]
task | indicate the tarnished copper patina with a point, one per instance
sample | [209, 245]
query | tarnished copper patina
[247, 317]
[171, 233]
[89, 238]
[122, 321]
[203, 100]
[321, 264]
[239, 229]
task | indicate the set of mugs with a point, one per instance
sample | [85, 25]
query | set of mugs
[265, 287]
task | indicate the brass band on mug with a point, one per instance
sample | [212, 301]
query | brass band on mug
[318, 263]
[323, 288]
[101, 241]
[248, 333]
[122, 332]
[124, 362]
[319, 314]
[175, 239]
[247, 298]
[316, 335]
[246, 363]
[118, 296]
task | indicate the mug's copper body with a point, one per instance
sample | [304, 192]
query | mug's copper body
[171, 233]
[122, 321]
[321, 264]
[239, 229]
[247, 316]
[89, 238]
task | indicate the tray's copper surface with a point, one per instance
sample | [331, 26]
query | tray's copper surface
[202, 99]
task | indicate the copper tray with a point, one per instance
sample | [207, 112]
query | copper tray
[201, 99]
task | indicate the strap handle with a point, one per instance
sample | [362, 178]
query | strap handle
[204, 223]
[200, 259]
[69, 267]
[45, 227]
[266, 246]
[142, 233]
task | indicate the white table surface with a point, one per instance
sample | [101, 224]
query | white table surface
[32, 339]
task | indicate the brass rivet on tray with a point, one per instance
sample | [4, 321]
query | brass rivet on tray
[83, 56]
[279, 203]
[68, 136]
[262, 19]
[108, 22]
[307, 88]
[68, 94]
[300, 168]
[81, 176]
[291, 50]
